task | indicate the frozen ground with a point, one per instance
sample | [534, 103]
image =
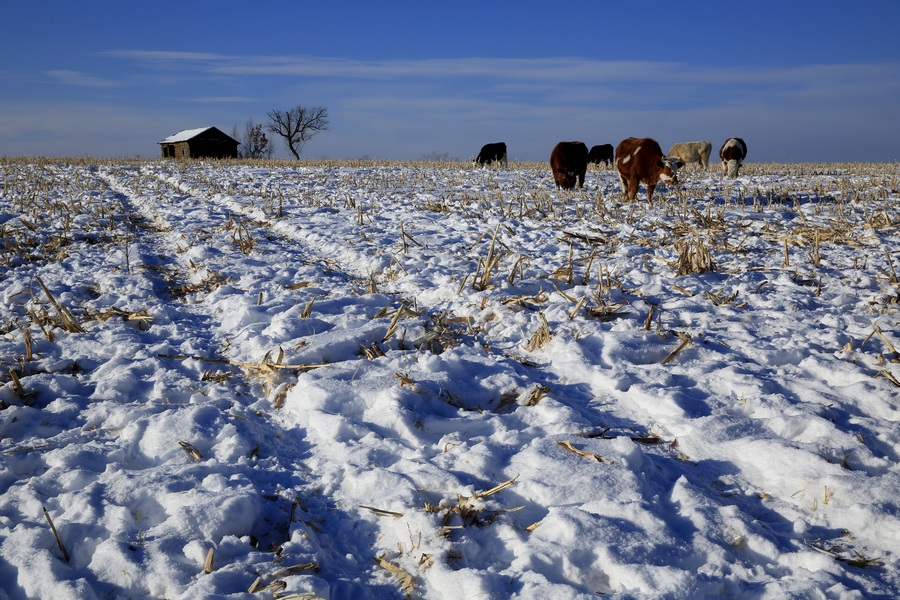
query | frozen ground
[375, 381]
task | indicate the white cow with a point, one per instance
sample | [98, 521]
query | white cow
[688, 152]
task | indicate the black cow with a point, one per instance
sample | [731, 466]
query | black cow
[601, 154]
[492, 153]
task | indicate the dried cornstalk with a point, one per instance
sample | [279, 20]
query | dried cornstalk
[140, 316]
[307, 310]
[191, 450]
[405, 579]
[404, 237]
[29, 356]
[208, 565]
[607, 312]
[578, 306]
[894, 278]
[693, 257]
[890, 377]
[564, 272]
[242, 238]
[372, 351]
[648, 321]
[261, 366]
[517, 266]
[487, 265]
[568, 446]
[887, 342]
[56, 534]
[309, 566]
[541, 336]
[381, 512]
[495, 489]
[403, 311]
[685, 340]
[535, 395]
[69, 323]
[17, 385]
[563, 294]
[405, 380]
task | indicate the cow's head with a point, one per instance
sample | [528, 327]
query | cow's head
[732, 167]
[566, 178]
[668, 170]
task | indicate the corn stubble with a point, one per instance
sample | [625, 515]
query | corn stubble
[49, 194]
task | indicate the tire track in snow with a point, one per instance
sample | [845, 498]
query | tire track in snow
[280, 489]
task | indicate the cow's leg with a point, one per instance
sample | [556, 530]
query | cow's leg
[633, 185]
[650, 188]
[624, 186]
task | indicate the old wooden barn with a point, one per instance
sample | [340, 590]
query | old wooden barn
[205, 142]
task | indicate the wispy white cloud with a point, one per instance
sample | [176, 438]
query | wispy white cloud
[572, 70]
[540, 69]
[550, 80]
[222, 99]
[77, 78]
[544, 69]
[164, 56]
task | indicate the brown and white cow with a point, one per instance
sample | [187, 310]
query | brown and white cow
[641, 160]
[568, 161]
[688, 152]
[601, 154]
[733, 152]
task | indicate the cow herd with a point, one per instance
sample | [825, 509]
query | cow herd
[637, 160]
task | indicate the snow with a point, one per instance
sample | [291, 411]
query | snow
[183, 136]
[333, 377]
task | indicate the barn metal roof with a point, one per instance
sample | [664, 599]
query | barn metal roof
[183, 136]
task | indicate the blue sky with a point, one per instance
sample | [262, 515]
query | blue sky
[799, 81]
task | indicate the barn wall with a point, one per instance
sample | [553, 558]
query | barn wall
[176, 150]
[212, 149]
[212, 143]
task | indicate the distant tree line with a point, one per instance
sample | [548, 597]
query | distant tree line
[435, 156]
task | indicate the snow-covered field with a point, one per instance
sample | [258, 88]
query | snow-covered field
[373, 381]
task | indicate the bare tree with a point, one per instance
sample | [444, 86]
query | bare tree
[254, 143]
[298, 125]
